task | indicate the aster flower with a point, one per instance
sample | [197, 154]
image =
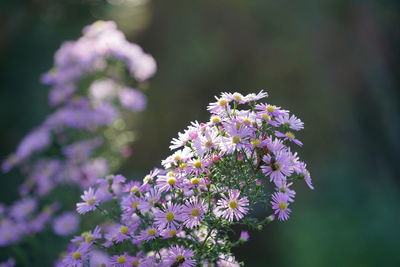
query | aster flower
[221, 105]
[280, 203]
[231, 207]
[149, 200]
[132, 99]
[235, 140]
[207, 141]
[179, 156]
[290, 121]
[124, 232]
[171, 216]
[78, 256]
[179, 256]
[255, 97]
[148, 234]
[112, 180]
[244, 236]
[227, 261]
[88, 237]
[279, 166]
[284, 187]
[91, 201]
[193, 212]
[170, 232]
[137, 259]
[22, 209]
[289, 136]
[129, 204]
[66, 224]
[123, 260]
[270, 110]
[168, 182]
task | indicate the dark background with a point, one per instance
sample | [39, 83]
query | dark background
[335, 64]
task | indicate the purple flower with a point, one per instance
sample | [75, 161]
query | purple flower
[37, 140]
[255, 97]
[279, 166]
[149, 200]
[22, 209]
[193, 212]
[80, 151]
[289, 136]
[91, 201]
[231, 207]
[244, 236]
[66, 224]
[168, 182]
[280, 203]
[227, 261]
[292, 122]
[284, 187]
[148, 234]
[171, 216]
[88, 237]
[236, 138]
[179, 256]
[9, 263]
[123, 260]
[132, 99]
[10, 232]
[77, 257]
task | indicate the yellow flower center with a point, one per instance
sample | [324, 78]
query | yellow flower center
[276, 166]
[282, 205]
[169, 216]
[171, 181]
[147, 179]
[91, 201]
[177, 157]
[123, 230]
[197, 164]
[89, 239]
[255, 142]
[208, 143]
[182, 165]
[172, 232]
[246, 121]
[136, 263]
[266, 117]
[195, 212]
[179, 257]
[215, 119]
[233, 204]
[236, 139]
[237, 96]
[134, 189]
[270, 108]
[195, 181]
[135, 204]
[121, 259]
[290, 135]
[222, 102]
[76, 255]
[151, 232]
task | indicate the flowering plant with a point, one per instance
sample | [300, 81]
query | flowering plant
[223, 172]
[92, 89]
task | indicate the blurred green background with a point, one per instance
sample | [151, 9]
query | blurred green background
[334, 63]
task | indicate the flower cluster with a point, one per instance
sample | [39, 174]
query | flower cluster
[182, 215]
[92, 88]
